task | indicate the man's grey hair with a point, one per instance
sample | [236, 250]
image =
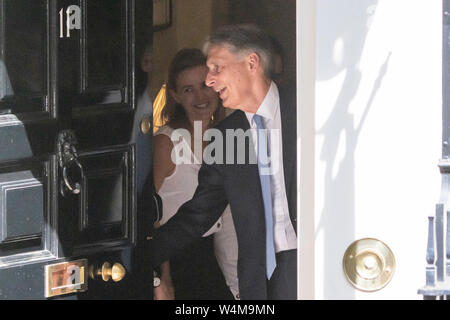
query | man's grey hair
[244, 39]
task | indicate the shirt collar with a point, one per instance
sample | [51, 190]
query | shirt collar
[270, 105]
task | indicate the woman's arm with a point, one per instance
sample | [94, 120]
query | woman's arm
[162, 161]
[162, 168]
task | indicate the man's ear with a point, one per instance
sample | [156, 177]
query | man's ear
[253, 61]
[147, 62]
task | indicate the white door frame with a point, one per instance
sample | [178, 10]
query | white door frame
[306, 73]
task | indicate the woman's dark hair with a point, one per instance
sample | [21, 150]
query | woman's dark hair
[173, 113]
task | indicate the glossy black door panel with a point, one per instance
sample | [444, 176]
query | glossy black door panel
[69, 78]
[106, 204]
[23, 56]
[106, 41]
[25, 210]
[97, 62]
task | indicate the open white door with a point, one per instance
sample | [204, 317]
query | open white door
[370, 126]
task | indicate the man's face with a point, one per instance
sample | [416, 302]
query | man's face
[229, 75]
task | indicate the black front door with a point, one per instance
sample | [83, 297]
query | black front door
[71, 222]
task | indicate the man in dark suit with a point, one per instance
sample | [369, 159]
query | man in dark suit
[261, 193]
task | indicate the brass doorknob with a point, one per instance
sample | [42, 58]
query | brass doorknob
[146, 125]
[369, 264]
[106, 272]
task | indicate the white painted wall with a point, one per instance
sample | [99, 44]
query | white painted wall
[376, 137]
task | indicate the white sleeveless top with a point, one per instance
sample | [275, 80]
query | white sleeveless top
[179, 188]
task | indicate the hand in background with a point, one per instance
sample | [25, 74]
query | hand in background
[165, 291]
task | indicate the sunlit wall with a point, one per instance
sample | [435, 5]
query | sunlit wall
[377, 137]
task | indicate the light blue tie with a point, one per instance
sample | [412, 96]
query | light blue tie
[264, 176]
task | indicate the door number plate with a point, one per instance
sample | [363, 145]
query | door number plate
[67, 277]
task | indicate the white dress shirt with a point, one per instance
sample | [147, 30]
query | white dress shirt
[284, 233]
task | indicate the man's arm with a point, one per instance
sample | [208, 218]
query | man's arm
[194, 217]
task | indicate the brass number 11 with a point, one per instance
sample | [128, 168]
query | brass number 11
[73, 20]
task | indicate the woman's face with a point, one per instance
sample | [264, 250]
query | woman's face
[199, 101]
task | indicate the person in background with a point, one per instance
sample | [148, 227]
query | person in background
[193, 273]
[278, 65]
[143, 112]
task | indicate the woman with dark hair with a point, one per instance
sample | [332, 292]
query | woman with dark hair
[192, 108]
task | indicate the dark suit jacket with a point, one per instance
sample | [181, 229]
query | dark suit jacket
[239, 185]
